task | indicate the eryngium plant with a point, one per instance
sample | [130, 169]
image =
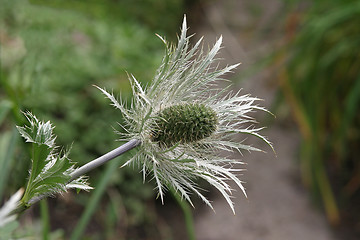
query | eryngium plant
[184, 120]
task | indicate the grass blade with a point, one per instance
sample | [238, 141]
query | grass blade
[7, 149]
[93, 203]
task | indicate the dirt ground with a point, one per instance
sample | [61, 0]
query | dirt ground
[278, 207]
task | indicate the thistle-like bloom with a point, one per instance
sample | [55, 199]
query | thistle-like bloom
[184, 120]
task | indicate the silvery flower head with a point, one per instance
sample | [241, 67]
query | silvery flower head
[184, 120]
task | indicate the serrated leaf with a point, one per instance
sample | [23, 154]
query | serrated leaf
[50, 170]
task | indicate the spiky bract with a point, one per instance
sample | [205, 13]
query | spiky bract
[187, 78]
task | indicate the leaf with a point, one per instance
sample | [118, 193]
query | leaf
[50, 170]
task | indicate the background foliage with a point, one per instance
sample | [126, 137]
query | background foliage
[52, 52]
[321, 83]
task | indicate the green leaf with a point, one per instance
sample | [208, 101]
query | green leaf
[50, 170]
[39, 158]
[53, 177]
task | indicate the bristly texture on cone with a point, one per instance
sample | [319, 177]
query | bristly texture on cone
[184, 121]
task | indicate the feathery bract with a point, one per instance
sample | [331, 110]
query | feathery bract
[184, 120]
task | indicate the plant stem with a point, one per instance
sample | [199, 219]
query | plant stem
[104, 158]
[95, 163]
[44, 211]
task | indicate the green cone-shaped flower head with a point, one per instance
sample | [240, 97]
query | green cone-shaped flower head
[184, 123]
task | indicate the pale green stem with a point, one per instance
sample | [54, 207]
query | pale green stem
[44, 211]
[104, 158]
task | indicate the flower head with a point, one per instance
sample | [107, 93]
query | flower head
[184, 120]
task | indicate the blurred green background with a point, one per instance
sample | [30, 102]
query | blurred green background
[52, 52]
[320, 82]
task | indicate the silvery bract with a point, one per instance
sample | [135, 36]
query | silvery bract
[184, 100]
